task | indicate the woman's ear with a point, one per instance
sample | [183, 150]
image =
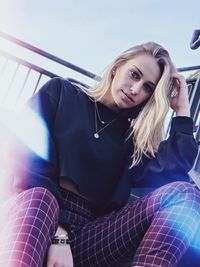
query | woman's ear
[113, 71]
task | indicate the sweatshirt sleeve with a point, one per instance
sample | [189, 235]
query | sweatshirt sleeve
[35, 159]
[174, 159]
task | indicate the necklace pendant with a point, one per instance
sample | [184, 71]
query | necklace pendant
[96, 135]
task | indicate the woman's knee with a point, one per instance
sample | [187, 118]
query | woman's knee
[179, 187]
[37, 200]
[187, 190]
[178, 193]
[182, 186]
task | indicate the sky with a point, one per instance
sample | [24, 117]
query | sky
[91, 33]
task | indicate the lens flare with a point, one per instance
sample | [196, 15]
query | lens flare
[29, 128]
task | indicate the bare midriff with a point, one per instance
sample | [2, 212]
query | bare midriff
[70, 186]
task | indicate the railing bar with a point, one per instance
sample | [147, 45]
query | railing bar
[198, 135]
[193, 89]
[49, 56]
[4, 67]
[196, 113]
[195, 96]
[182, 69]
[11, 82]
[77, 82]
[197, 163]
[192, 80]
[197, 110]
[24, 83]
[190, 91]
[39, 78]
[29, 65]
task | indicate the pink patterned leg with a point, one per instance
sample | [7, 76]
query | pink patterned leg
[29, 221]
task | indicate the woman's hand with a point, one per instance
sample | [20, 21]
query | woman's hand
[60, 255]
[179, 99]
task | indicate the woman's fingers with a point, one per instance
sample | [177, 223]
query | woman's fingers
[179, 100]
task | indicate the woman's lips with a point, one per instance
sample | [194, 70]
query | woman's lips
[128, 96]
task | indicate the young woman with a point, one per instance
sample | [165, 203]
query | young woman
[71, 207]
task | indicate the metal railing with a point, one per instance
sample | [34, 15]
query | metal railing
[9, 75]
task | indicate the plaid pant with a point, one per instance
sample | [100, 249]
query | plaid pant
[155, 230]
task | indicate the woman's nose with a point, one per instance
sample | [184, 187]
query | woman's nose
[135, 88]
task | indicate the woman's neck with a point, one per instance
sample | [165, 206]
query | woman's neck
[108, 101]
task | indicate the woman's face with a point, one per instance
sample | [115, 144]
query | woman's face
[134, 82]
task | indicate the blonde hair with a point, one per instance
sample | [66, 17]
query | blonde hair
[147, 129]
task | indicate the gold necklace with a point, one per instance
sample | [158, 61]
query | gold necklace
[106, 124]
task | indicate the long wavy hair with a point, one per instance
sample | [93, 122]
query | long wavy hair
[147, 130]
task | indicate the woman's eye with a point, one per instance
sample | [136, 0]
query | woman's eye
[148, 88]
[135, 75]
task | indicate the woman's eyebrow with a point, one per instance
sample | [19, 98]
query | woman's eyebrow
[143, 75]
[138, 70]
